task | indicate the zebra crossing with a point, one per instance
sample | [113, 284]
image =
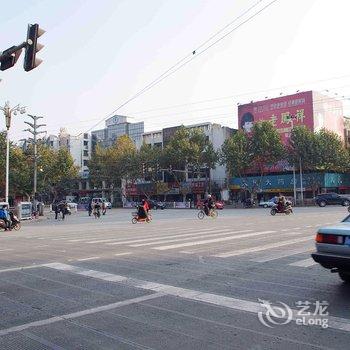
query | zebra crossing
[224, 242]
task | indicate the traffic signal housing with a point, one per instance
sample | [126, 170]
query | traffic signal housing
[32, 47]
[10, 59]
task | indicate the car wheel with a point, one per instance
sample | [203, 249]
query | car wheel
[346, 203]
[322, 204]
[265, 206]
[345, 276]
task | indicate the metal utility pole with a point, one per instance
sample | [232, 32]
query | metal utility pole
[301, 183]
[294, 178]
[8, 114]
[34, 131]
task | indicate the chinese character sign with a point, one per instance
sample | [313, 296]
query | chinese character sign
[282, 112]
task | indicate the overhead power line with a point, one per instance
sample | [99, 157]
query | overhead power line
[182, 62]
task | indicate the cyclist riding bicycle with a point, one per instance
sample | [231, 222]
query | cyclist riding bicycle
[208, 204]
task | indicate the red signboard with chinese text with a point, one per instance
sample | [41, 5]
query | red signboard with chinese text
[282, 112]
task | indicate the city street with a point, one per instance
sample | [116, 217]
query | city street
[176, 283]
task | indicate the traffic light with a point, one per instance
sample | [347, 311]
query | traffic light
[32, 47]
[9, 59]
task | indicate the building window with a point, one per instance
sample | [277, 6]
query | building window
[86, 143]
[85, 163]
[86, 136]
[86, 153]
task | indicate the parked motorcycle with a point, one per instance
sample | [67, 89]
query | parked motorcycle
[288, 209]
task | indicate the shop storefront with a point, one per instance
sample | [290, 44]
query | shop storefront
[312, 183]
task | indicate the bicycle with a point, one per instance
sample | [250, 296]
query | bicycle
[212, 213]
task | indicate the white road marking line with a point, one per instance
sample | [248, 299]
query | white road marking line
[282, 254]
[90, 258]
[194, 251]
[214, 240]
[5, 250]
[74, 315]
[205, 235]
[121, 254]
[41, 246]
[304, 263]
[148, 236]
[308, 226]
[263, 247]
[164, 289]
[196, 233]
[22, 268]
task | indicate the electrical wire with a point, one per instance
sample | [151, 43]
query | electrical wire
[179, 64]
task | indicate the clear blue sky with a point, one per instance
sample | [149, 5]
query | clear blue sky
[100, 52]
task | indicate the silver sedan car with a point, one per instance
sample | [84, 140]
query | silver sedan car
[333, 248]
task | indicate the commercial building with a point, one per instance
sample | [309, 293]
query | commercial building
[116, 127]
[78, 146]
[194, 186]
[311, 109]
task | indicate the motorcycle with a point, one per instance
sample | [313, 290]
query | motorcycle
[15, 223]
[286, 210]
[135, 218]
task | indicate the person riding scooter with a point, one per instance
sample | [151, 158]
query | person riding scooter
[142, 210]
[4, 215]
[281, 203]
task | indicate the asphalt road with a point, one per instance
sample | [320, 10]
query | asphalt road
[176, 283]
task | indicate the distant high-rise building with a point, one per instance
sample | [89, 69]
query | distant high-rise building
[116, 127]
[78, 146]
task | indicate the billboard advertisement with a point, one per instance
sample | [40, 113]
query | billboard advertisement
[279, 111]
[328, 114]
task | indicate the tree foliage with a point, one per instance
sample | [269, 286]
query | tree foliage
[56, 170]
[245, 153]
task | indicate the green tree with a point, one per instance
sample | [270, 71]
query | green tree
[246, 154]
[317, 153]
[266, 146]
[236, 154]
[109, 166]
[190, 150]
[20, 172]
[57, 173]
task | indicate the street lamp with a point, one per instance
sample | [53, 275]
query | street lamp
[8, 114]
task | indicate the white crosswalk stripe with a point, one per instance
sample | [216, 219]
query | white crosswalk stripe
[304, 263]
[218, 233]
[194, 233]
[214, 240]
[263, 247]
[281, 254]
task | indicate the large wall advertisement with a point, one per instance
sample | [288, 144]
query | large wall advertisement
[312, 109]
[279, 111]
